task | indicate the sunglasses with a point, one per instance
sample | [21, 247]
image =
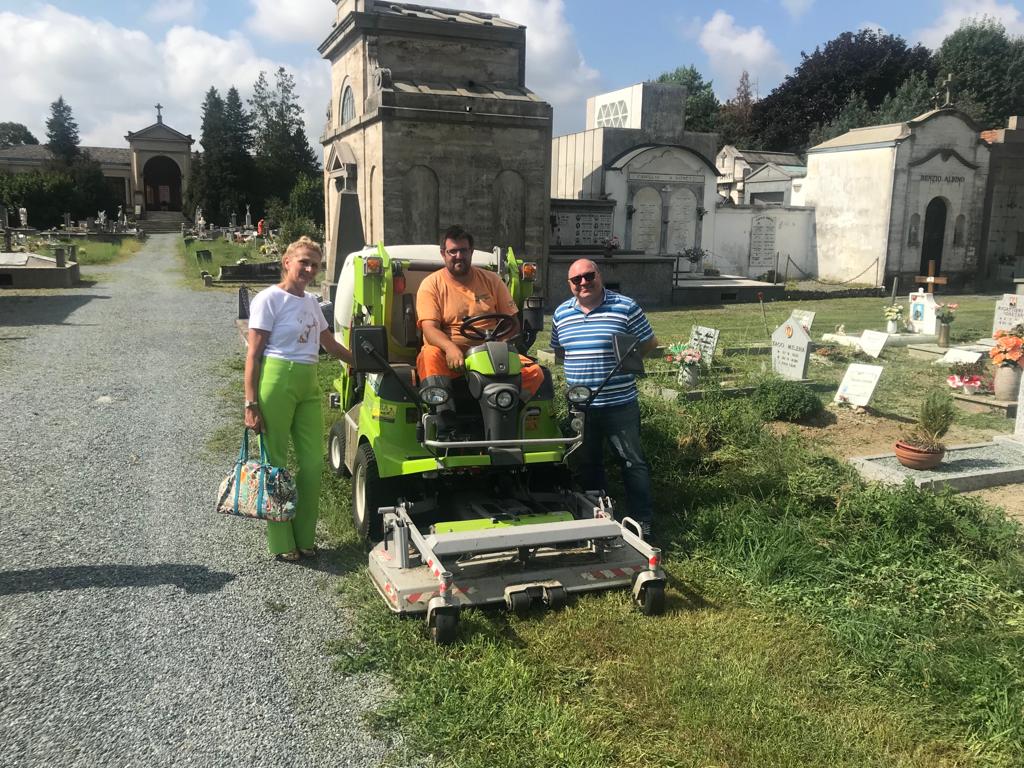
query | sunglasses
[588, 277]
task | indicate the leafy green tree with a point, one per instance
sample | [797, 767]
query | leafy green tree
[207, 185]
[279, 138]
[868, 62]
[735, 118]
[238, 158]
[62, 132]
[855, 114]
[14, 135]
[701, 102]
[988, 65]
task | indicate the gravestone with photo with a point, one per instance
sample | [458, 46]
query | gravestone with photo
[1009, 312]
[858, 384]
[922, 313]
[704, 339]
[791, 349]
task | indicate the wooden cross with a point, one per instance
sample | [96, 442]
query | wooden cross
[931, 280]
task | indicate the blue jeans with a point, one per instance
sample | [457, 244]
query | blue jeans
[620, 426]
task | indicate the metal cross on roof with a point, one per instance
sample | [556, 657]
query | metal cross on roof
[159, 117]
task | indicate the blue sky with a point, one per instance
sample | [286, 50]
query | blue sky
[112, 60]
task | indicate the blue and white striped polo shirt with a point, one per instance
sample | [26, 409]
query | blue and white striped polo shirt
[586, 339]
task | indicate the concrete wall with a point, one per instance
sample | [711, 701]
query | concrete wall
[1003, 236]
[851, 192]
[756, 187]
[794, 238]
[453, 60]
[647, 279]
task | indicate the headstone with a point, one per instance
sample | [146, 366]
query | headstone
[23, 216]
[647, 221]
[922, 312]
[791, 348]
[67, 221]
[682, 220]
[234, 220]
[4, 220]
[1018, 429]
[959, 356]
[858, 385]
[873, 342]
[248, 217]
[704, 339]
[1009, 312]
[803, 316]
[762, 245]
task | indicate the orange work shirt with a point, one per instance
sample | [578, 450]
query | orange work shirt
[447, 302]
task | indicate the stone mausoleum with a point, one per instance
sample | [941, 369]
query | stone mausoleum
[635, 190]
[151, 174]
[430, 123]
[889, 199]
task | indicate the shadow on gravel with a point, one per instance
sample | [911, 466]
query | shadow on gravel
[45, 309]
[191, 578]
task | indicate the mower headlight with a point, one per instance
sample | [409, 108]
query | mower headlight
[434, 395]
[504, 399]
[578, 395]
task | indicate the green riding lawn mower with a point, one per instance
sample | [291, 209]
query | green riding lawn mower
[463, 493]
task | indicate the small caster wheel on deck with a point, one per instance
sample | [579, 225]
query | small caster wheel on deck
[518, 603]
[443, 627]
[651, 600]
[556, 598]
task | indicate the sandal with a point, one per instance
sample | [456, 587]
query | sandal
[311, 552]
[289, 557]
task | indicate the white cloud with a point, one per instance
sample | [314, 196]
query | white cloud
[180, 11]
[112, 76]
[292, 21]
[797, 8]
[731, 49]
[956, 11]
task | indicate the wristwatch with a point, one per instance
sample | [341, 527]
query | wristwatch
[252, 404]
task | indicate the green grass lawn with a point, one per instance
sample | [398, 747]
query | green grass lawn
[222, 253]
[92, 253]
[813, 620]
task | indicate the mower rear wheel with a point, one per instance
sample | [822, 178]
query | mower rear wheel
[556, 598]
[368, 495]
[444, 628]
[652, 599]
[336, 449]
[519, 603]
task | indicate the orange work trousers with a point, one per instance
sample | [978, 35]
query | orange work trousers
[432, 362]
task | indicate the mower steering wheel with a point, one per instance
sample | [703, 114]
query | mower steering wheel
[506, 325]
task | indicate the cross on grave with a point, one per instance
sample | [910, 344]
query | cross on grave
[931, 280]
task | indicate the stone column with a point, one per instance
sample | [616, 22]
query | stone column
[59, 254]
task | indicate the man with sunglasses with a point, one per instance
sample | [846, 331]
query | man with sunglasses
[581, 335]
[446, 298]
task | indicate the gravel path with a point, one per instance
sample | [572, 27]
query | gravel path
[137, 628]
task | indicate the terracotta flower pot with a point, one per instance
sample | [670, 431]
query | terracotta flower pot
[912, 457]
[1006, 382]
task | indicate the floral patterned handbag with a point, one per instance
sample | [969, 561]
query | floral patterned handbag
[256, 489]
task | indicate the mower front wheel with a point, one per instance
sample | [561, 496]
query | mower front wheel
[368, 495]
[336, 449]
[652, 598]
[444, 626]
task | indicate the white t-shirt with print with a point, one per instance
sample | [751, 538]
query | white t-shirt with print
[295, 324]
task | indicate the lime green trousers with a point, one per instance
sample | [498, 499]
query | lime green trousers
[290, 402]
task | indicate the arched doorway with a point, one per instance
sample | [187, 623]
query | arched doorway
[934, 235]
[162, 180]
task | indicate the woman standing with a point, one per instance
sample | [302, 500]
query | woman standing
[282, 396]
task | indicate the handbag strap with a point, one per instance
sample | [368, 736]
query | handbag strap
[243, 453]
[264, 457]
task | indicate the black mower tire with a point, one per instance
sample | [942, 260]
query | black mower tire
[519, 603]
[652, 599]
[444, 628]
[368, 495]
[336, 449]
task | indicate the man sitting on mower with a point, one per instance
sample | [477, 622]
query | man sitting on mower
[449, 296]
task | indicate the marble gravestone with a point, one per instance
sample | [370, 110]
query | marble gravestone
[873, 342]
[922, 313]
[858, 385]
[647, 221]
[762, 245]
[704, 339]
[1009, 312]
[803, 316]
[791, 349]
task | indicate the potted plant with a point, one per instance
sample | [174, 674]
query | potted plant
[893, 317]
[1008, 356]
[922, 447]
[945, 314]
[688, 359]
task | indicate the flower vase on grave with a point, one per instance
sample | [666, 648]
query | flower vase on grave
[943, 340]
[891, 326]
[1006, 382]
[687, 376]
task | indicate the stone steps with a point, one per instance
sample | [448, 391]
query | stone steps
[161, 222]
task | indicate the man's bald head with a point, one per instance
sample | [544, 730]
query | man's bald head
[585, 282]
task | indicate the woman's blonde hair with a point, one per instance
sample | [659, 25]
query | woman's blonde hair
[303, 244]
